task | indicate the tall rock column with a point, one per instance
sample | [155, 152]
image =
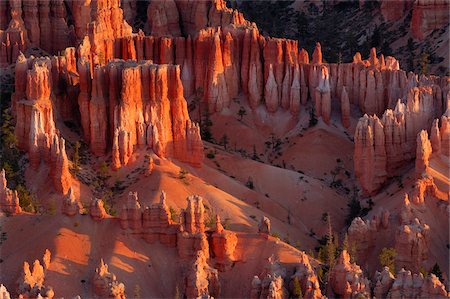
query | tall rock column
[370, 154]
[423, 152]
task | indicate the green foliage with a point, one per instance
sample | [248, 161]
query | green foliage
[249, 183]
[275, 235]
[296, 289]
[387, 258]
[436, 271]
[103, 171]
[312, 117]
[424, 62]
[76, 157]
[182, 174]
[174, 215]
[25, 199]
[210, 155]
[109, 207]
[210, 219]
[9, 154]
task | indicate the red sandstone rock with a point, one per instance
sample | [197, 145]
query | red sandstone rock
[411, 245]
[131, 214]
[4, 294]
[345, 108]
[31, 283]
[271, 92]
[307, 278]
[323, 96]
[216, 87]
[445, 134]
[317, 55]
[264, 225]
[191, 237]
[60, 174]
[9, 200]
[295, 92]
[223, 245]
[106, 284]
[146, 108]
[383, 282]
[270, 282]
[70, 205]
[423, 152]
[347, 279]
[96, 210]
[427, 16]
[370, 154]
[201, 279]
[255, 71]
[408, 285]
[163, 18]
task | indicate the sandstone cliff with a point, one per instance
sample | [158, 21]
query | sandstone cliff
[35, 127]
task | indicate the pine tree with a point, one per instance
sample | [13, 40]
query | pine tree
[387, 258]
[436, 271]
[76, 157]
[297, 290]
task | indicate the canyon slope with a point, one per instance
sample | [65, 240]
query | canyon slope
[175, 149]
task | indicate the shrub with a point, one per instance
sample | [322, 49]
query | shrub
[210, 155]
[249, 183]
[387, 258]
[182, 174]
[25, 199]
[437, 271]
[275, 235]
[296, 289]
[174, 215]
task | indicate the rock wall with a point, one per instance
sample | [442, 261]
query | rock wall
[427, 16]
[126, 105]
[411, 244]
[383, 145]
[35, 127]
[408, 285]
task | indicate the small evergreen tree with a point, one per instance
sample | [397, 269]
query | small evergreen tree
[424, 62]
[297, 290]
[312, 117]
[76, 157]
[387, 258]
[436, 271]
[225, 141]
[242, 112]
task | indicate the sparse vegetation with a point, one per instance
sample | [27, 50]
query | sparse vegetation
[296, 289]
[249, 183]
[312, 117]
[174, 215]
[387, 258]
[242, 112]
[210, 155]
[436, 270]
[76, 157]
